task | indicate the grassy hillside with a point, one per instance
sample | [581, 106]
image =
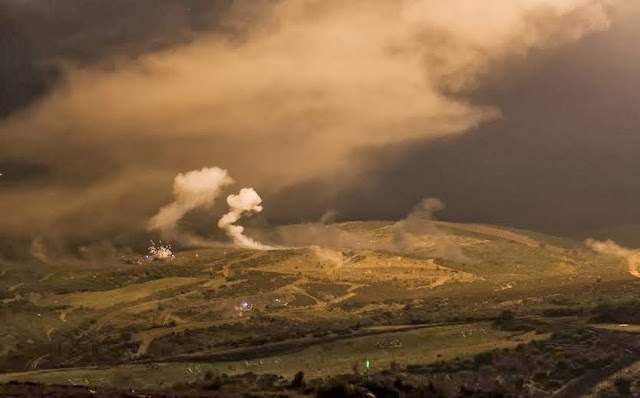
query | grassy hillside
[314, 307]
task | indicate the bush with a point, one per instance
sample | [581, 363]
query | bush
[623, 386]
[335, 391]
[298, 380]
[507, 315]
[485, 358]
[213, 384]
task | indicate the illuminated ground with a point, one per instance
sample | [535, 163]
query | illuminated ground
[320, 309]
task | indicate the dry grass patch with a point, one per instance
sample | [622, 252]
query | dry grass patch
[109, 298]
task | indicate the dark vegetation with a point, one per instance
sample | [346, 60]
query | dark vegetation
[62, 283]
[626, 312]
[520, 291]
[567, 365]
[586, 354]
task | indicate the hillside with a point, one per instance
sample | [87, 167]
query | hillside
[366, 292]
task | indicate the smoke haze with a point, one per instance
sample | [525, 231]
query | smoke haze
[610, 247]
[417, 232]
[296, 95]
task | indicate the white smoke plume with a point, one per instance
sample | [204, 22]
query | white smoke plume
[246, 201]
[299, 91]
[419, 220]
[610, 247]
[193, 189]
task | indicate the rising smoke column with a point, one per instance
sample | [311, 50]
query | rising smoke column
[311, 81]
[419, 220]
[611, 247]
[246, 201]
[193, 189]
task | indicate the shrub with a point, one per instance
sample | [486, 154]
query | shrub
[485, 358]
[507, 315]
[298, 380]
[623, 386]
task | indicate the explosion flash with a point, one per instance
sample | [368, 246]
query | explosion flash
[160, 252]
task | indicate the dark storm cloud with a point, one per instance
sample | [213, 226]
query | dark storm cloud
[288, 94]
[563, 158]
[37, 35]
[23, 77]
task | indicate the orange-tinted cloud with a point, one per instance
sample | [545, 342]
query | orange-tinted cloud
[308, 85]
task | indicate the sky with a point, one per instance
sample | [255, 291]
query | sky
[511, 112]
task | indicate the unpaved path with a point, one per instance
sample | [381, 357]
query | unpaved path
[494, 231]
[46, 277]
[350, 293]
[147, 337]
[617, 327]
[280, 348]
[303, 292]
[148, 304]
[33, 364]
[632, 371]
[226, 269]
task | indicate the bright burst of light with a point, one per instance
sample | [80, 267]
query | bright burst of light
[160, 252]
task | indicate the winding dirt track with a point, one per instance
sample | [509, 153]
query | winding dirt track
[148, 336]
[107, 318]
[493, 231]
[626, 345]
[270, 349]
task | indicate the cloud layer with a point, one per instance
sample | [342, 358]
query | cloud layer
[307, 86]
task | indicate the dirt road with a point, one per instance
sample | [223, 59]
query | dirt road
[493, 231]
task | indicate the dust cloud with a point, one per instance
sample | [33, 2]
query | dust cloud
[610, 247]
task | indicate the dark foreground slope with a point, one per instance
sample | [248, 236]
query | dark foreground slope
[569, 364]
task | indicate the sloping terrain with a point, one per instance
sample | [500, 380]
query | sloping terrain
[372, 293]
